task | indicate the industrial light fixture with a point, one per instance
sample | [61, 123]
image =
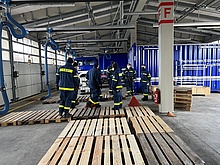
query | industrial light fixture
[198, 24]
[209, 27]
[210, 46]
[54, 4]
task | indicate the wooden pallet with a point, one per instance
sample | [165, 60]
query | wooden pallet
[107, 97]
[32, 117]
[103, 112]
[183, 98]
[101, 150]
[82, 98]
[138, 111]
[160, 145]
[96, 127]
[149, 124]
[52, 100]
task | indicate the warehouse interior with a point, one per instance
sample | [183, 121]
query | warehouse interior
[124, 31]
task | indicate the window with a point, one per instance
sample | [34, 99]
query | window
[5, 34]
[18, 57]
[5, 44]
[18, 47]
[5, 55]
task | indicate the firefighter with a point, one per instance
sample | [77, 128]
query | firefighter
[109, 74]
[129, 74]
[67, 83]
[116, 86]
[95, 85]
[145, 82]
[76, 87]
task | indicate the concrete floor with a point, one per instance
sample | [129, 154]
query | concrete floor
[199, 128]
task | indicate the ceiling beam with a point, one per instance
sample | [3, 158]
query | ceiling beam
[95, 48]
[93, 40]
[89, 28]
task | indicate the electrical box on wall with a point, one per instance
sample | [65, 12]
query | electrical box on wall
[15, 74]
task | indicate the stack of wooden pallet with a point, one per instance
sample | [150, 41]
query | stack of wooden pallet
[183, 98]
[110, 141]
[96, 141]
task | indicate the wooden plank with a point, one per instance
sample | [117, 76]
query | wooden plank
[148, 151]
[73, 129]
[125, 126]
[51, 116]
[92, 113]
[172, 158]
[78, 150]
[79, 128]
[142, 124]
[138, 159]
[149, 111]
[156, 148]
[192, 155]
[128, 112]
[163, 124]
[184, 159]
[97, 111]
[112, 126]
[116, 151]
[112, 112]
[138, 111]
[86, 127]
[69, 151]
[92, 127]
[66, 129]
[86, 151]
[60, 151]
[136, 125]
[105, 129]
[50, 153]
[98, 131]
[158, 127]
[73, 111]
[97, 156]
[107, 151]
[118, 126]
[121, 112]
[133, 111]
[125, 150]
[143, 111]
[107, 111]
[149, 125]
[102, 112]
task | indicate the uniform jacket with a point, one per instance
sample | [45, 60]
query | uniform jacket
[129, 73]
[145, 75]
[109, 71]
[116, 79]
[67, 77]
[94, 77]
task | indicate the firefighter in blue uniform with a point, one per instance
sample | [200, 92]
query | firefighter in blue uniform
[109, 74]
[67, 83]
[95, 85]
[116, 86]
[76, 85]
[129, 75]
[145, 82]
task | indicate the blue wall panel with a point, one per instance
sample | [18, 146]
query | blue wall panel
[193, 64]
[120, 58]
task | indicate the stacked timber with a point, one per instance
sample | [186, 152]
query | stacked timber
[183, 98]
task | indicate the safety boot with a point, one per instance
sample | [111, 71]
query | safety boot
[144, 98]
[67, 115]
